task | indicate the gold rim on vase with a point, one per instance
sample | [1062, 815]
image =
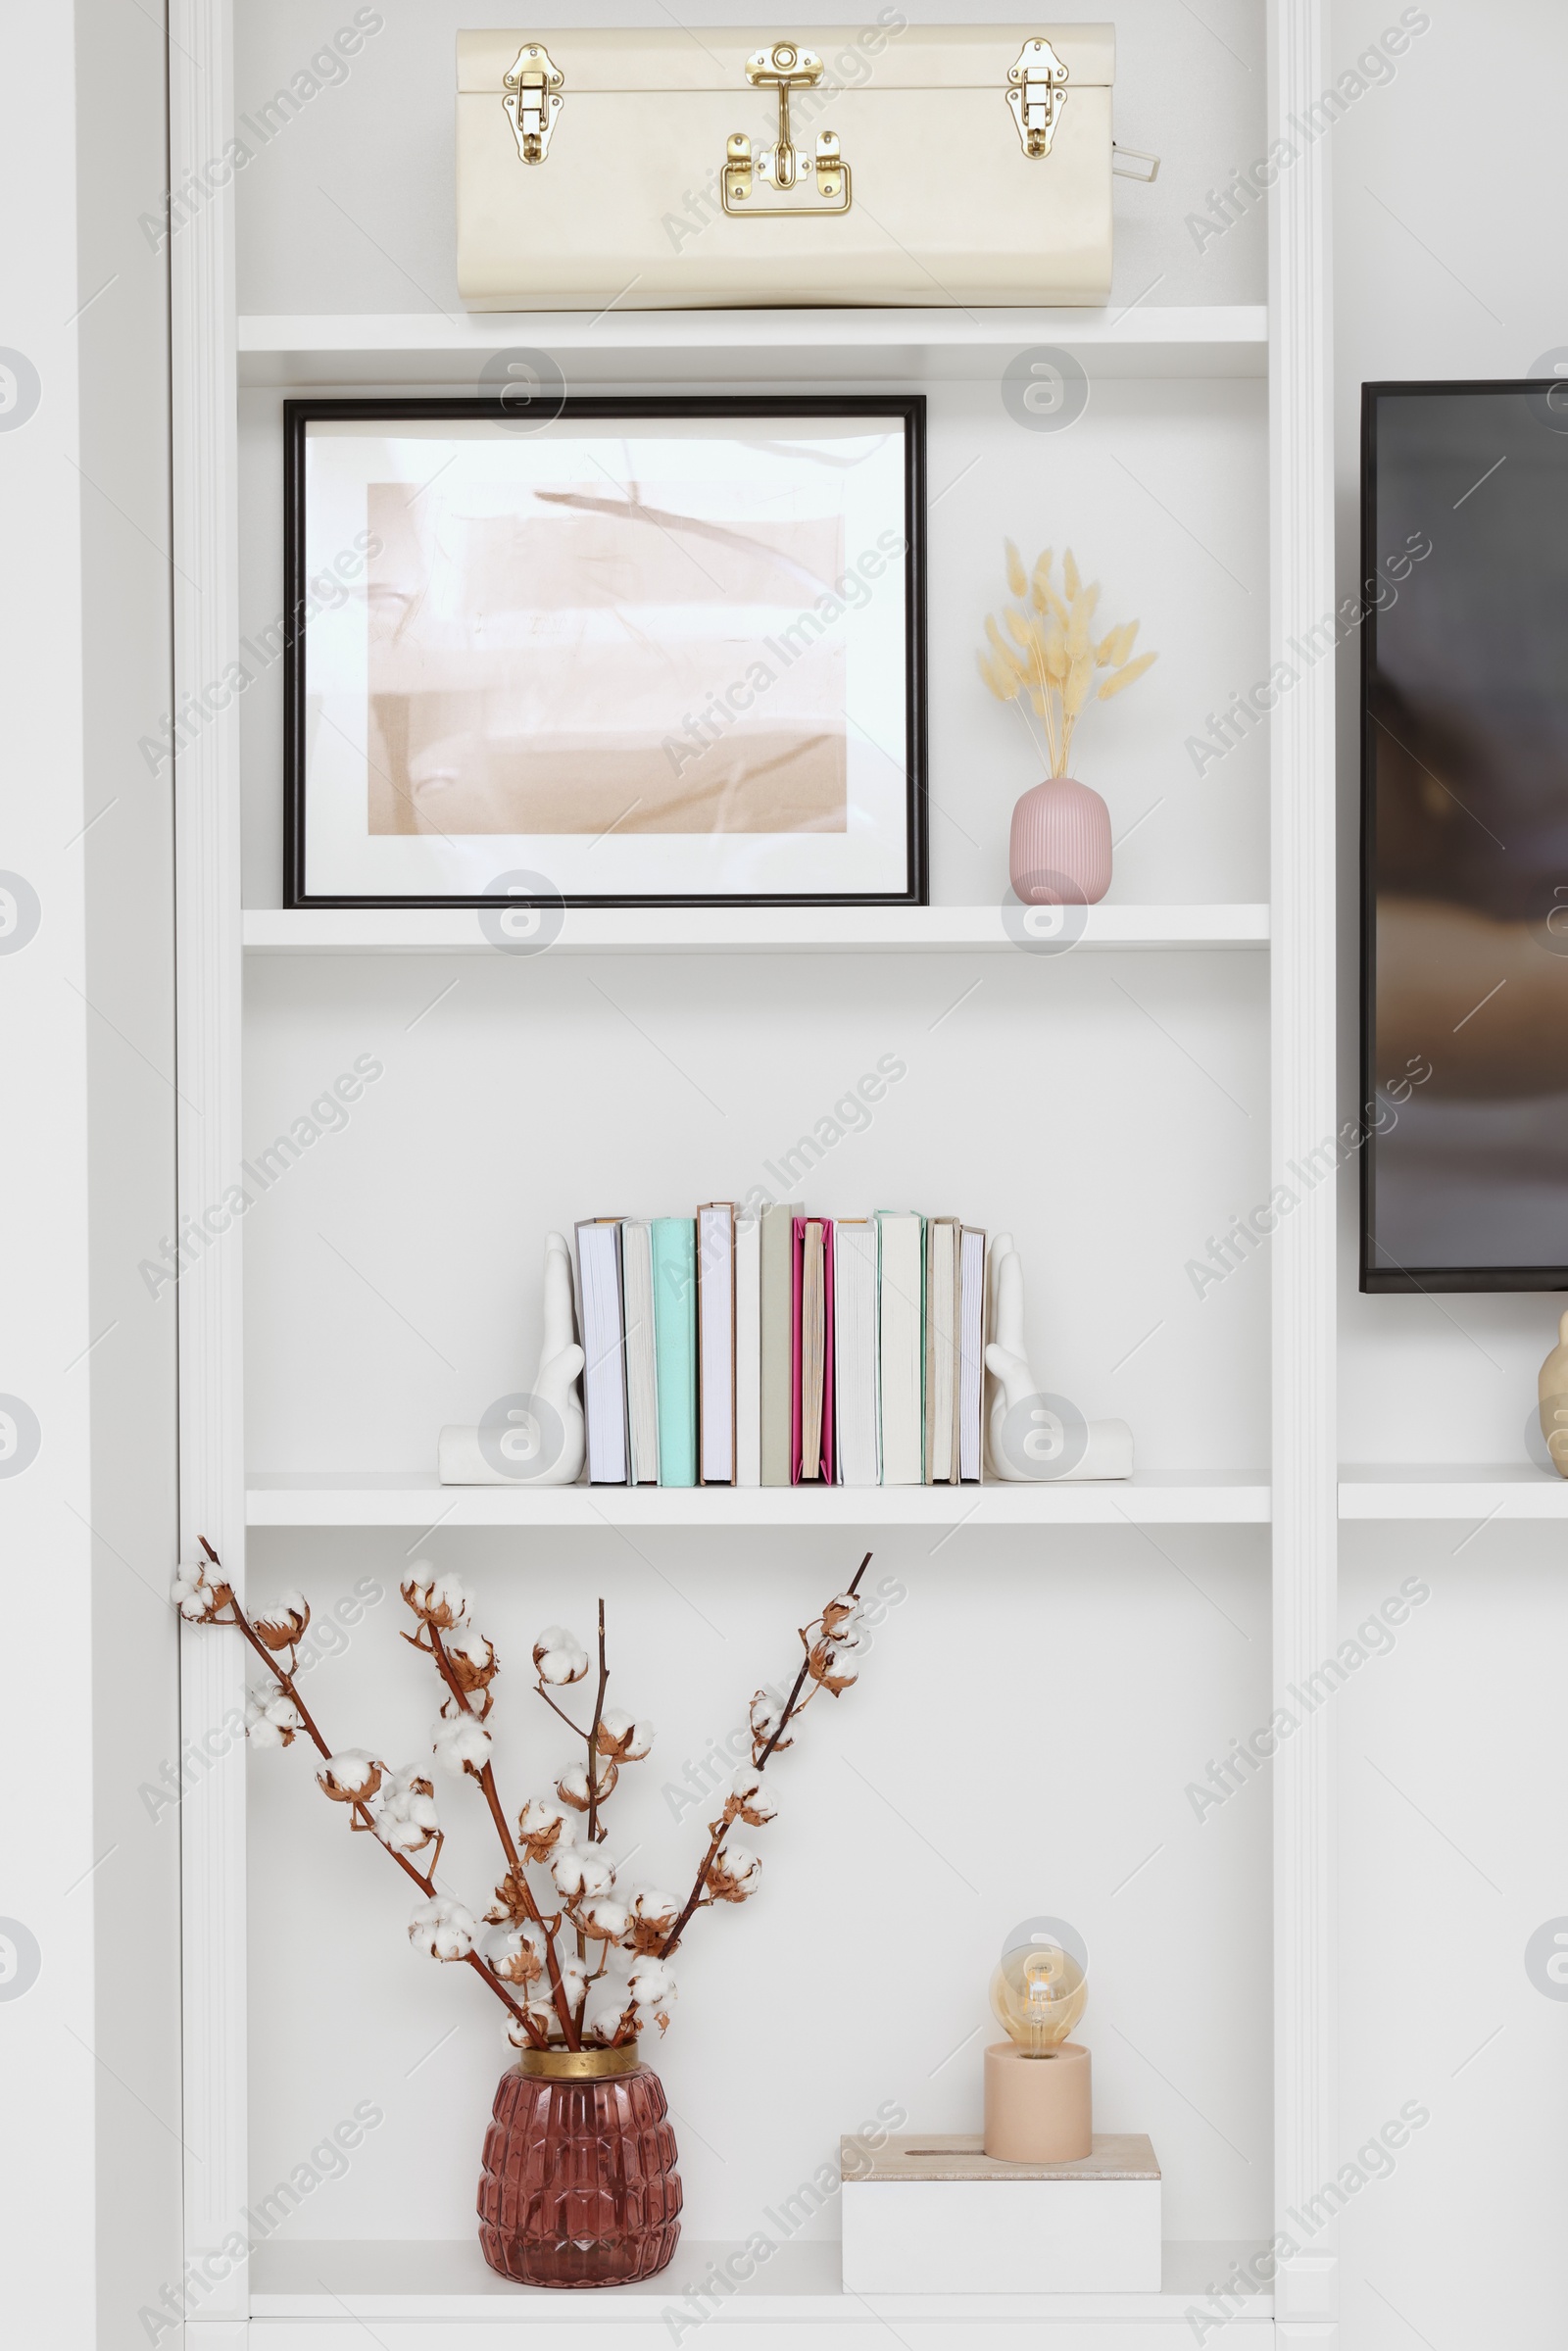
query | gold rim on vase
[578, 2065]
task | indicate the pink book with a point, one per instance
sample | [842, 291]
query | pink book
[812, 1356]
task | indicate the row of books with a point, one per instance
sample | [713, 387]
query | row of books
[782, 1349]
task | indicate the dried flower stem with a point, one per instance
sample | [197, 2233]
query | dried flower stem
[359, 1813]
[721, 1831]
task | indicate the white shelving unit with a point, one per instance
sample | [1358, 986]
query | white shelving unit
[408, 1498]
[310, 2296]
[737, 930]
[445, 2287]
[1424, 1490]
[654, 346]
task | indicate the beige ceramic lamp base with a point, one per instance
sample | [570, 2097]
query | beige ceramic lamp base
[1552, 1390]
[1038, 2109]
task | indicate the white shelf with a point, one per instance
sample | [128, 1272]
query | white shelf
[433, 2285]
[709, 930]
[797, 346]
[1442, 1490]
[416, 1498]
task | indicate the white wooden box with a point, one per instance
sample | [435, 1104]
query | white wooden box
[935, 2215]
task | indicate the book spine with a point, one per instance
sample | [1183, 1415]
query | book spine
[747, 1352]
[775, 1380]
[675, 1339]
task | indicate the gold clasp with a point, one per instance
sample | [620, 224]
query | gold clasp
[1036, 96]
[532, 100]
[784, 67]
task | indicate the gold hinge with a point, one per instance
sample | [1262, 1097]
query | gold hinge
[533, 100]
[784, 67]
[1036, 96]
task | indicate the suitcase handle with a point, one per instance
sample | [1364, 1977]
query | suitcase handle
[1122, 171]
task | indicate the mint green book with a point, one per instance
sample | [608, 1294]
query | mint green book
[675, 1242]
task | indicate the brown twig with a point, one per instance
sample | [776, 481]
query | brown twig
[359, 1813]
[487, 1781]
[794, 1705]
[595, 1834]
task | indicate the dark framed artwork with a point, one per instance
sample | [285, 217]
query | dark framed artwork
[1463, 613]
[649, 651]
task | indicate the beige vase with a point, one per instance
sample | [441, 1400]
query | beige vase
[1552, 1389]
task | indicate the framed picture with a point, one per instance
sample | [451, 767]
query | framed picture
[650, 652]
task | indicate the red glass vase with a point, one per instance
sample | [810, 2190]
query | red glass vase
[579, 2184]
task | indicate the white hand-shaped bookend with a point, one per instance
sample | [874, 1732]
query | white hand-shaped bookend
[1036, 1437]
[536, 1438]
[561, 1362]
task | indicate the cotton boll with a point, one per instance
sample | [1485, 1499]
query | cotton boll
[604, 2022]
[443, 1928]
[604, 1920]
[651, 1914]
[436, 1599]
[767, 1714]
[460, 1745]
[473, 1659]
[351, 1778]
[572, 1785]
[746, 1800]
[621, 1738]
[271, 1716]
[560, 1656]
[578, 1874]
[651, 1979]
[515, 1953]
[651, 1986]
[543, 1827]
[734, 1875]
[405, 1817]
[282, 1627]
[198, 1601]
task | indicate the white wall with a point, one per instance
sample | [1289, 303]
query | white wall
[90, 2062]
[1447, 262]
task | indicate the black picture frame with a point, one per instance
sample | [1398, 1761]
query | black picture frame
[300, 413]
[1383, 1279]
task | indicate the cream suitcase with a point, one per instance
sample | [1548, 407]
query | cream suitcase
[912, 164]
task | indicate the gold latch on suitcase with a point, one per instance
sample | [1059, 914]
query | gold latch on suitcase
[533, 100]
[1036, 95]
[784, 67]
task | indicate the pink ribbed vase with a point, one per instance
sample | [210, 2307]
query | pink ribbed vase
[1059, 848]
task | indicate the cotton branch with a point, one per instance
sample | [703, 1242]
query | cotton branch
[823, 1667]
[359, 1815]
[459, 1695]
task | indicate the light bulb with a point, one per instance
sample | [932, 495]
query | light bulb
[1041, 1989]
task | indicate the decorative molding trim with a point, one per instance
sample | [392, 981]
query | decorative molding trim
[206, 593]
[1302, 1041]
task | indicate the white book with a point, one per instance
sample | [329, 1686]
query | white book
[972, 1353]
[901, 1349]
[854, 1350]
[940, 1349]
[642, 1377]
[604, 1379]
[715, 1344]
[748, 1351]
